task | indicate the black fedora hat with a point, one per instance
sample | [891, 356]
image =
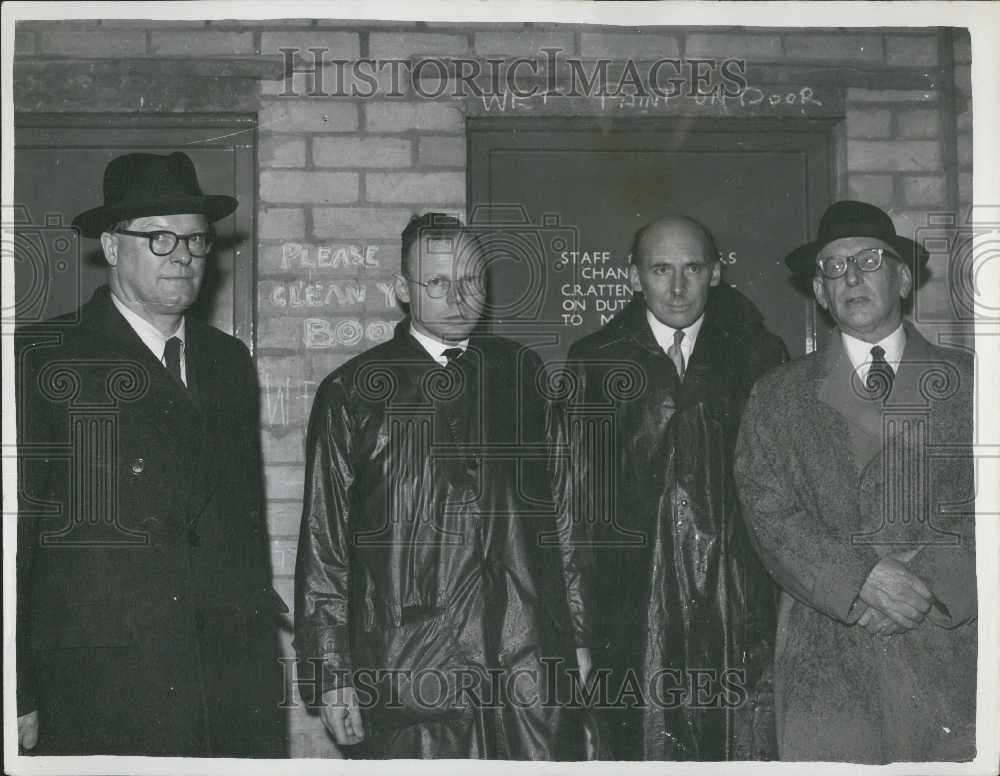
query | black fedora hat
[849, 218]
[137, 185]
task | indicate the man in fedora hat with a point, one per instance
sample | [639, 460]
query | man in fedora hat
[855, 473]
[146, 620]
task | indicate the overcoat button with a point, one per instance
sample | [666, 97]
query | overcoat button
[138, 466]
[684, 502]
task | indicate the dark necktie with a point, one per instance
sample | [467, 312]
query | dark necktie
[880, 374]
[453, 354]
[676, 354]
[172, 358]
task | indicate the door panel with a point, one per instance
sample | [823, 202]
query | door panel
[759, 187]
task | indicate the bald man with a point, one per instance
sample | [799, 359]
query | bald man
[674, 618]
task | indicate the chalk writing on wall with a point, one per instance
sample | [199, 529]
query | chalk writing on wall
[298, 256]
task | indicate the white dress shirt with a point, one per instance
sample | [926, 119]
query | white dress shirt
[665, 335]
[860, 352]
[151, 336]
[436, 348]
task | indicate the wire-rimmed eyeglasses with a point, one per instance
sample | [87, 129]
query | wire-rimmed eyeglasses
[163, 242]
[439, 287]
[866, 260]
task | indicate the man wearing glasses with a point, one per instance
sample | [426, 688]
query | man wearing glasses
[425, 590]
[146, 621]
[855, 472]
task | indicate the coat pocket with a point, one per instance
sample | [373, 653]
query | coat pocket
[83, 624]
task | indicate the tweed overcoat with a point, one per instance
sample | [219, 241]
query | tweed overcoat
[831, 480]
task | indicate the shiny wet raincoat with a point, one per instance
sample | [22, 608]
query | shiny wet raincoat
[664, 585]
[428, 571]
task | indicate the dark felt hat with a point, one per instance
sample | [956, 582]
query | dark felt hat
[137, 185]
[849, 218]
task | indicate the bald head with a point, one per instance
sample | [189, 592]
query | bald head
[677, 232]
[674, 264]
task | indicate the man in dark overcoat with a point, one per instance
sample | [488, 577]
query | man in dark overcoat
[854, 467]
[146, 620]
[669, 603]
[428, 576]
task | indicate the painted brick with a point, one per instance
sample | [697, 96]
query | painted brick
[282, 550]
[327, 188]
[329, 84]
[283, 520]
[855, 94]
[279, 332]
[963, 78]
[911, 50]
[24, 40]
[68, 43]
[441, 151]
[876, 189]
[399, 45]
[361, 152]
[525, 43]
[422, 187]
[257, 23]
[917, 124]
[731, 45]
[963, 47]
[276, 223]
[338, 45]
[964, 121]
[616, 45]
[924, 191]
[894, 156]
[403, 116]
[201, 44]
[869, 122]
[150, 24]
[851, 47]
[324, 362]
[345, 223]
[965, 187]
[908, 222]
[282, 151]
[964, 150]
[284, 446]
[287, 115]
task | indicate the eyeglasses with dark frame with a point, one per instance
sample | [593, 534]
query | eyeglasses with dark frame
[866, 260]
[439, 287]
[162, 242]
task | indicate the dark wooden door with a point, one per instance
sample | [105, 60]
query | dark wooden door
[759, 186]
[59, 162]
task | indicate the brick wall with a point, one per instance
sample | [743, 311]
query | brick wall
[339, 177]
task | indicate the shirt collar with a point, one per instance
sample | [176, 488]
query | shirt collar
[860, 352]
[435, 348]
[147, 332]
[664, 334]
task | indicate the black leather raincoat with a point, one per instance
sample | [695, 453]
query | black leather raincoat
[664, 586]
[428, 571]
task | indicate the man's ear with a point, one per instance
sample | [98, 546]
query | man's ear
[905, 280]
[401, 288]
[109, 244]
[819, 291]
[716, 273]
[633, 276]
